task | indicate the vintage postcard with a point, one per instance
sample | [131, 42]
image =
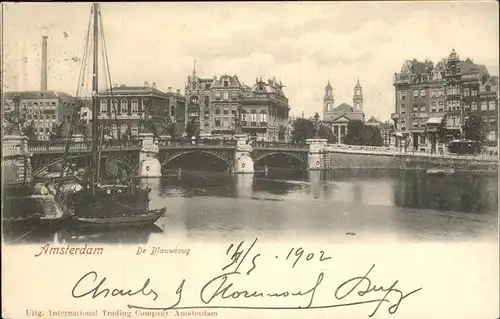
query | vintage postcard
[250, 160]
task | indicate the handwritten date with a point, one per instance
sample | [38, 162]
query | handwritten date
[299, 252]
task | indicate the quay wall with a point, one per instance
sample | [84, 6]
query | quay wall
[350, 160]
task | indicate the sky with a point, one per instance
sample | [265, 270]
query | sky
[303, 44]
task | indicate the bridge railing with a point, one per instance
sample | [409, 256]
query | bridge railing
[278, 145]
[44, 146]
[189, 143]
[383, 150]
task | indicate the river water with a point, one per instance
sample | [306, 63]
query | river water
[340, 206]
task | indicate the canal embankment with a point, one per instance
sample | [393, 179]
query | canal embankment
[345, 159]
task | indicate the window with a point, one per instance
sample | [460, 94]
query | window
[488, 88]
[466, 92]
[234, 95]
[226, 95]
[263, 116]
[207, 101]
[484, 106]
[144, 103]
[253, 117]
[474, 106]
[422, 93]
[491, 105]
[104, 106]
[441, 92]
[225, 122]
[226, 83]
[135, 106]
[217, 95]
[402, 95]
[217, 111]
[172, 111]
[207, 86]
[473, 92]
[124, 106]
[226, 110]
[217, 122]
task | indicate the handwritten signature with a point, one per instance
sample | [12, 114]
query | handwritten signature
[354, 291]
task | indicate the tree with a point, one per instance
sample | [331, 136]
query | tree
[356, 135]
[149, 126]
[56, 131]
[475, 129]
[11, 120]
[192, 129]
[359, 133]
[441, 131]
[326, 133]
[171, 130]
[29, 131]
[302, 129]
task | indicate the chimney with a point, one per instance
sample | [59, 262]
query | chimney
[169, 89]
[154, 85]
[178, 92]
[43, 80]
[146, 84]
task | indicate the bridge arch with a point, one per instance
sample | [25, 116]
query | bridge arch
[79, 156]
[303, 163]
[227, 162]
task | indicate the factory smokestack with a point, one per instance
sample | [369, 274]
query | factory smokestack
[43, 80]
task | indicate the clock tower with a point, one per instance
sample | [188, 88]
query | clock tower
[357, 99]
[328, 100]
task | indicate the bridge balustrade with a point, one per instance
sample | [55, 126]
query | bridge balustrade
[384, 150]
[262, 144]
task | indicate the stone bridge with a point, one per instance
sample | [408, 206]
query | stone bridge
[149, 156]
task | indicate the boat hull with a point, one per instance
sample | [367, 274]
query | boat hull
[136, 220]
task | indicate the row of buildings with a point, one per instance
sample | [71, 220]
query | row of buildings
[428, 95]
[217, 106]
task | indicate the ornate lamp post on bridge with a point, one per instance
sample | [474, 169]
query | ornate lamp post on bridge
[316, 125]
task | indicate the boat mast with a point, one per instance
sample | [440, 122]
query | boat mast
[95, 88]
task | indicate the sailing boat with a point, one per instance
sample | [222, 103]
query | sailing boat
[93, 200]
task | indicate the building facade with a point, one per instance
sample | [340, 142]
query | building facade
[44, 109]
[221, 105]
[126, 107]
[428, 96]
[337, 118]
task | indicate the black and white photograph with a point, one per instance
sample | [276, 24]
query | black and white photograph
[344, 154]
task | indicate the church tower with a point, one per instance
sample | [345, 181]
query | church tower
[328, 99]
[357, 99]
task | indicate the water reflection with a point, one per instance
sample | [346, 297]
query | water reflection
[285, 204]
